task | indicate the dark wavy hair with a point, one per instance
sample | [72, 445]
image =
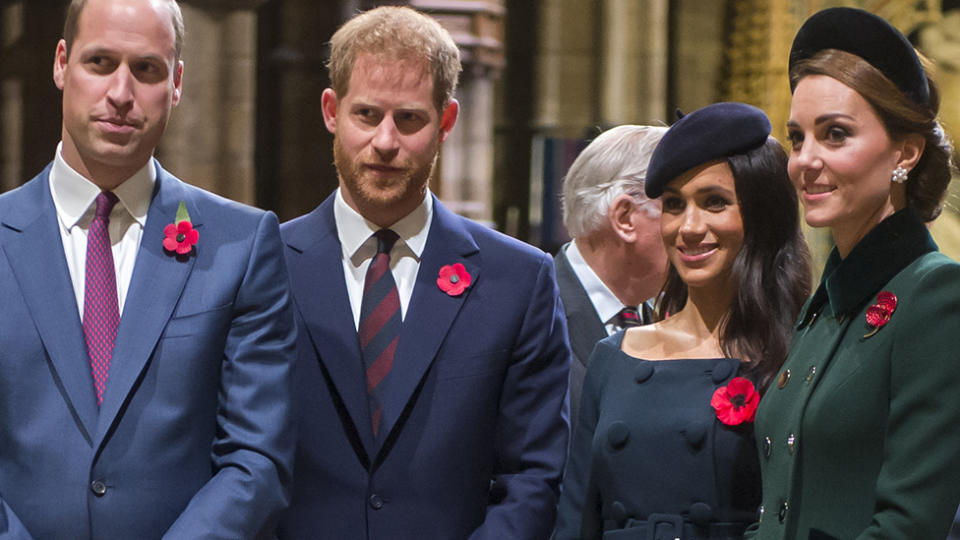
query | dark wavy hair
[928, 181]
[771, 273]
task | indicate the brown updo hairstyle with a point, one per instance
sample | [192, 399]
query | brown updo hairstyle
[927, 183]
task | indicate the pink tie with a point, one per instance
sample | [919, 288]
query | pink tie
[101, 316]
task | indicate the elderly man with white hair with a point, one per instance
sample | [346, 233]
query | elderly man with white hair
[616, 262]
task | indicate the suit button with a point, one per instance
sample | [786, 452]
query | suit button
[376, 502]
[98, 487]
[784, 377]
[782, 514]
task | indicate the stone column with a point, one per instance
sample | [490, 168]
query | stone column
[209, 141]
[633, 62]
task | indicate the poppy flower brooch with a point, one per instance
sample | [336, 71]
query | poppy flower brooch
[453, 279]
[736, 402]
[878, 315]
[179, 237]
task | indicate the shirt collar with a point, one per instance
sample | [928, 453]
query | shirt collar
[354, 231]
[73, 194]
[886, 250]
[604, 301]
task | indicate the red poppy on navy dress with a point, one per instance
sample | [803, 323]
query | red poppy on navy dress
[878, 315]
[180, 236]
[736, 402]
[453, 279]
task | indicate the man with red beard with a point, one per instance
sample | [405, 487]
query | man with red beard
[433, 356]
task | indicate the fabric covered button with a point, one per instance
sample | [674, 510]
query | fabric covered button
[695, 435]
[376, 502]
[720, 372]
[701, 513]
[643, 372]
[617, 435]
[784, 377]
[767, 447]
[618, 512]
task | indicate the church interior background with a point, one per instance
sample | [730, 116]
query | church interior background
[540, 79]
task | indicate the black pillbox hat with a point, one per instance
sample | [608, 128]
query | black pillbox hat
[868, 36]
[713, 132]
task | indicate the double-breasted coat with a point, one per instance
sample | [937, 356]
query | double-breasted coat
[859, 436]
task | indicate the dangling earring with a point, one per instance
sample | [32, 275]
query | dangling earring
[899, 175]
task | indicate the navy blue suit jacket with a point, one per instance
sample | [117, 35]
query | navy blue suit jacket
[476, 414]
[194, 437]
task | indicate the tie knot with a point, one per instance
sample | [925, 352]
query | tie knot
[105, 202]
[385, 240]
[629, 316]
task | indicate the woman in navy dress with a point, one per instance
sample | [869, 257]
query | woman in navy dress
[664, 445]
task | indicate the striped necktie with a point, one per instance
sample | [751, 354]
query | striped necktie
[379, 327]
[101, 315]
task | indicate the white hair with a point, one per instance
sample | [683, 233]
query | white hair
[612, 164]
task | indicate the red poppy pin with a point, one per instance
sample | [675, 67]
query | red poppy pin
[453, 279]
[179, 237]
[736, 402]
[878, 315]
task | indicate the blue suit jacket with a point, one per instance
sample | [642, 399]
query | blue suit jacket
[475, 416]
[193, 438]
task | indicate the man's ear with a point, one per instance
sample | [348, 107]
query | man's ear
[620, 215]
[177, 83]
[60, 63]
[911, 151]
[328, 105]
[448, 118]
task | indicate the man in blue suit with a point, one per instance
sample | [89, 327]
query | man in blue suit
[146, 331]
[432, 354]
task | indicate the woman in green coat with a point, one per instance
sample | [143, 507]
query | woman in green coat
[859, 435]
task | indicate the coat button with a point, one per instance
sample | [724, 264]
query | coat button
[617, 435]
[643, 372]
[720, 372]
[791, 443]
[618, 512]
[701, 513]
[767, 446]
[98, 487]
[784, 377]
[376, 502]
[810, 374]
[782, 514]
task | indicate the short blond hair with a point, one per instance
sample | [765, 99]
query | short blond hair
[396, 33]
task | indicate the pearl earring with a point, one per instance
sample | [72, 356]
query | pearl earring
[899, 175]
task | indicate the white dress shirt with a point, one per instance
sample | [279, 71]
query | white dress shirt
[605, 302]
[359, 246]
[75, 200]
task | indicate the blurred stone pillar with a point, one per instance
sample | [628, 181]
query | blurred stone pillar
[633, 61]
[465, 178]
[567, 72]
[209, 141]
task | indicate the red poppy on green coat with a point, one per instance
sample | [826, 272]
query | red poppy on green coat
[878, 315]
[736, 402]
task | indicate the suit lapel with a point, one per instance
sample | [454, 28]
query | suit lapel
[155, 288]
[320, 291]
[583, 323]
[431, 311]
[38, 263]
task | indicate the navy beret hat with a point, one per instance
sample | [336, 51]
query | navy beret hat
[714, 132]
[868, 36]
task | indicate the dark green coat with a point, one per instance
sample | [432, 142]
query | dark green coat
[859, 436]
